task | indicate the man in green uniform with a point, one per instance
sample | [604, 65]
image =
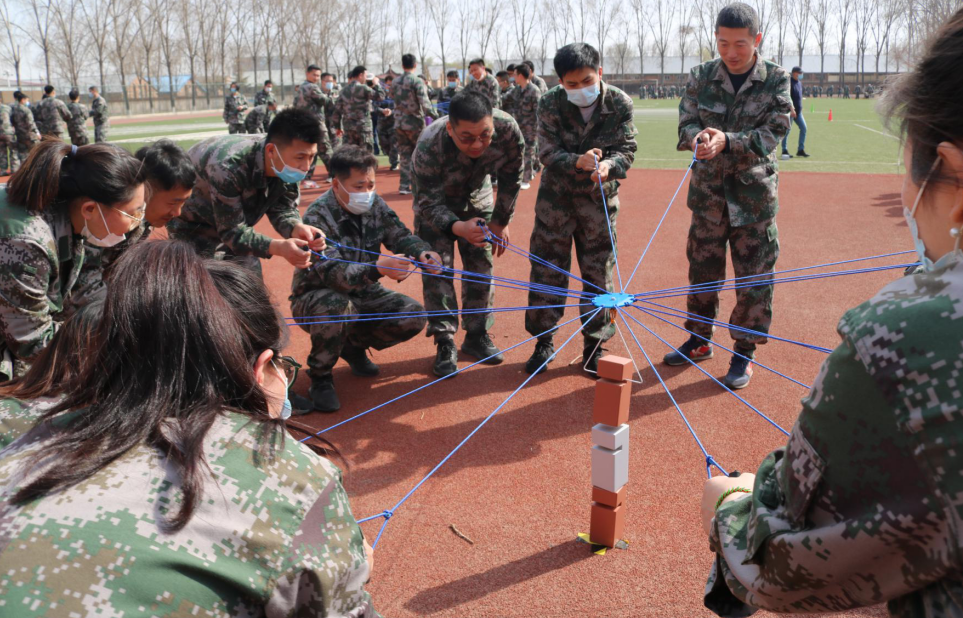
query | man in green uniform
[411, 107]
[259, 119]
[25, 127]
[353, 109]
[526, 114]
[386, 128]
[53, 114]
[483, 83]
[445, 94]
[235, 104]
[309, 96]
[100, 115]
[77, 127]
[331, 87]
[8, 143]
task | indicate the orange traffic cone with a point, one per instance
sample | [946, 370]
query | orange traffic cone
[830, 115]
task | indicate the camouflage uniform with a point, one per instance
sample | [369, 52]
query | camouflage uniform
[539, 83]
[232, 194]
[734, 197]
[450, 187]
[309, 96]
[569, 205]
[263, 98]
[273, 536]
[77, 127]
[21, 117]
[258, 120]
[92, 281]
[53, 115]
[8, 142]
[331, 289]
[234, 107]
[411, 106]
[41, 259]
[526, 113]
[101, 117]
[386, 133]
[353, 113]
[862, 505]
[488, 87]
[509, 99]
[445, 94]
[333, 137]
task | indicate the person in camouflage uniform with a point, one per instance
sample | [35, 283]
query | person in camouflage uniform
[535, 79]
[353, 110]
[337, 290]
[453, 199]
[386, 128]
[582, 123]
[259, 119]
[53, 114]
[526, 114]
[242, 178]
[8, 143]
[483, 83]
[235, 104]
[100, 115]
[506, 93]
[411, 107]
[445, 94]
[309, 96]
[77, 127]
[265, 96]
[25, 127]
[333, 89]
[736, 108]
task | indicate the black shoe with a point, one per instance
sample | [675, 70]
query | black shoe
[300, 405]
[740, 372]
[591, 354]
[359, 362]
[786, 155]
[323, 395]
[544, 353]
[695, 349]
[802, 153]
[394, 167]
[446, 359]
[483, 348]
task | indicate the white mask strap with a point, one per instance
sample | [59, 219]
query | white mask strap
[919, 196]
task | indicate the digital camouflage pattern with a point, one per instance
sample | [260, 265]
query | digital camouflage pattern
[862, 505]
[569, 204]
[411, 107]
[445, 94]
[539, 83]
[488, 87]
[449, 187]
[235, 105]
[310, 97]
[333, 94]
[272, 536]
[41, 259]
[258, 120]
[734, 196]
[526, 114]
[101, 117]
[91, 283]
[8, 142]
[53, 115]
[508, 98]
[386, 133]
[264, 98]
[21, 117]
[331, 288]
[77, 127]
[232, 194]
[353, 113]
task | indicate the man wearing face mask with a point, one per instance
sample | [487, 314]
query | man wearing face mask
[734, 113]
[586, 135]
[357, 223]
[242, 178]
[353, 109]
[331, 87]
[235, 104]
[266, 97]
[310, 97]
[453, 199]
[445, 94]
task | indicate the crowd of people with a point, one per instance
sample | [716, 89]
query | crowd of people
[144, 391]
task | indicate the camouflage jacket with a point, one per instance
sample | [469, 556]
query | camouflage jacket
[7, 133]
[353, 109]
[411, 102]
[263, 98]
[233, 193]
[234, 107]
[78, 120]
[23, 123]
[53, 114]
[450, 186]
[257, 119]
[386, 124]
[539, 83]
[863, 504]
[488, 87]
[379, 226]
[92, 281]
[526, 110]
[755, 120]
[445, 94]
[563, 136]
[508, 98]
[309, 96]
[99, 112]
[41, 259]
[333, 96]
[272, 536]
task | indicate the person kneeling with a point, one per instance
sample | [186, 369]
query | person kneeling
[344, 283]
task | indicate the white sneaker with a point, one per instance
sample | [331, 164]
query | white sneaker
[404, 191]
[786, 157]
[309, 184]
[526, 185]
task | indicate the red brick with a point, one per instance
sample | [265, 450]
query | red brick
[615, 368]
[611, 402]
[607, 525]
[608, 498]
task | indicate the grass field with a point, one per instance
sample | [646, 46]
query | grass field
[855, 141]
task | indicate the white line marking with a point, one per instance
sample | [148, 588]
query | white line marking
[877, 132]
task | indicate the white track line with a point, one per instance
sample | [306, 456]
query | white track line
[877, 132]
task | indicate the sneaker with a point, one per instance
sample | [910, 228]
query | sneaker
[482, 347]
[446, 359]
[740, 372]
[404, 191]
[300, 404]
[786, 156]
[695, 349]
[525, 186]
[394, 167]
[322, 394]
[309, 184]
[544, 353]
[591, 354]
[802, 153]
[359, 362]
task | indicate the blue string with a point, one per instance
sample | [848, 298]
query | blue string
[608, 223]
[712, 377]
[365, 317]
[710, 462]
[531, 256]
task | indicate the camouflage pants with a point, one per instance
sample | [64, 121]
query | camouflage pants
[211, 247]
[79, 138]
[235, 127]
[386, 139]
[362, 138]
[22, 152]
[100, 133]
[529, 158]
[754, 249]
[405, 142]
[324, 151]
[439, 292]
[560, 219]
[9, 160]
[327, 340]
[334, 140]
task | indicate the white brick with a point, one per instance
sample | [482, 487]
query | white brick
[610, 437]
[610, 469]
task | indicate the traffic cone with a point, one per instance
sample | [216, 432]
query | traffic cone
[830, 115]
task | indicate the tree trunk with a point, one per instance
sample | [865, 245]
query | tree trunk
[123, 86]
[193, 86]
[170, 79]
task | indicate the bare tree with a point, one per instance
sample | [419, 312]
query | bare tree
[125, 30]
[621, 51]
[441, 12]
[686, 30]
[640, 10]
[605, 13]
[555, 13]
[865, 11]
[762, 10]
[884, 20]
[523, 22]
[800, 16]
[467, 16]
[190, 31]
[780, 14]
[503, 46]
[489, 17]
[281, 15]
[39, 33]
[240, 14]
[97, 18]
[660, 18]
[422, 32]
[820, 12]
[255, 36]
[148, 47]
[11, 49]
[705, 27]
[162, 12]
[69, 39]
[844, 12]
[580, 14]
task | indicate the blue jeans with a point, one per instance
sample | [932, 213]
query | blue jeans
[799, 120]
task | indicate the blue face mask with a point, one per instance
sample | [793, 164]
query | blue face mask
[928, 264]
[291, 175]
[286, 407]
[583, 97]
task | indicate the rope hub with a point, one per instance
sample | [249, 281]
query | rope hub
[613, 300]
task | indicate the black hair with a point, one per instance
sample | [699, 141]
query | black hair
[480, 61]
[488, 70]
[350, 157]
[94, 88]
[524, 71]
[408, 61]
[19, 95]
[53, 175]
[575, 56]
[358, 70]
[469, 106]
[294, 123]
[510, 68]
[529, 64]
[738, 15]
[502, 74]
[268, 82]
[73, 94]
[312, 67]
[48, 89]
[326, 74]
[389, 78]
[452, 74]
[167, 165]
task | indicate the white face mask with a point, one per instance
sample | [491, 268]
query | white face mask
[910, 215]
[110, 240]
[583, 97]
[267, 89]
[358, 203]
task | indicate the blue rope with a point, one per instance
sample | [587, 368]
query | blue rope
[531, 256]
[710, 462]
[367, 317]
[608, 223]
[712, 377]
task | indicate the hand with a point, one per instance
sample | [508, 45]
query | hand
[587, 161]
[792, 114]
[339, 132]
[294, 250]
[374, 80]
[394, 266]
[502, 232]
[715, 487]
[313, 235]
[710, 142]
[369, 557]
[386, 112]
[471, 231]
[603, 172]
[430, 257]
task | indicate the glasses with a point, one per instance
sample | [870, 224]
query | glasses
[289, 366]
[469, 140]
[142, 210]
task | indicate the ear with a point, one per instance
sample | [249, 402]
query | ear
[88, 209]
[951, 157]
[600, 72]
[758, 39]
[263, 359]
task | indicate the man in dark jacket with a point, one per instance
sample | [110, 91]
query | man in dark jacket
[795, 91]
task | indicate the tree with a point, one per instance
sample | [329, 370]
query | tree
[12, 50]
[162, 12]
[97, 18]
[604, 14]
[705, 27]
[555, 13]
[844, 11]
[467, 16]
[190, 29]
[40, 13]
[881, 26]
[865, 10]
[422, 31]
[523, 22]
[639, 9]
[147, 45]
[440, 11]
[69, 38]
[621, 51]
[125, 30]
[800, 15]
[685, 31]
[781, 16]
[489, 17]
[820, 12]
[660, 24]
